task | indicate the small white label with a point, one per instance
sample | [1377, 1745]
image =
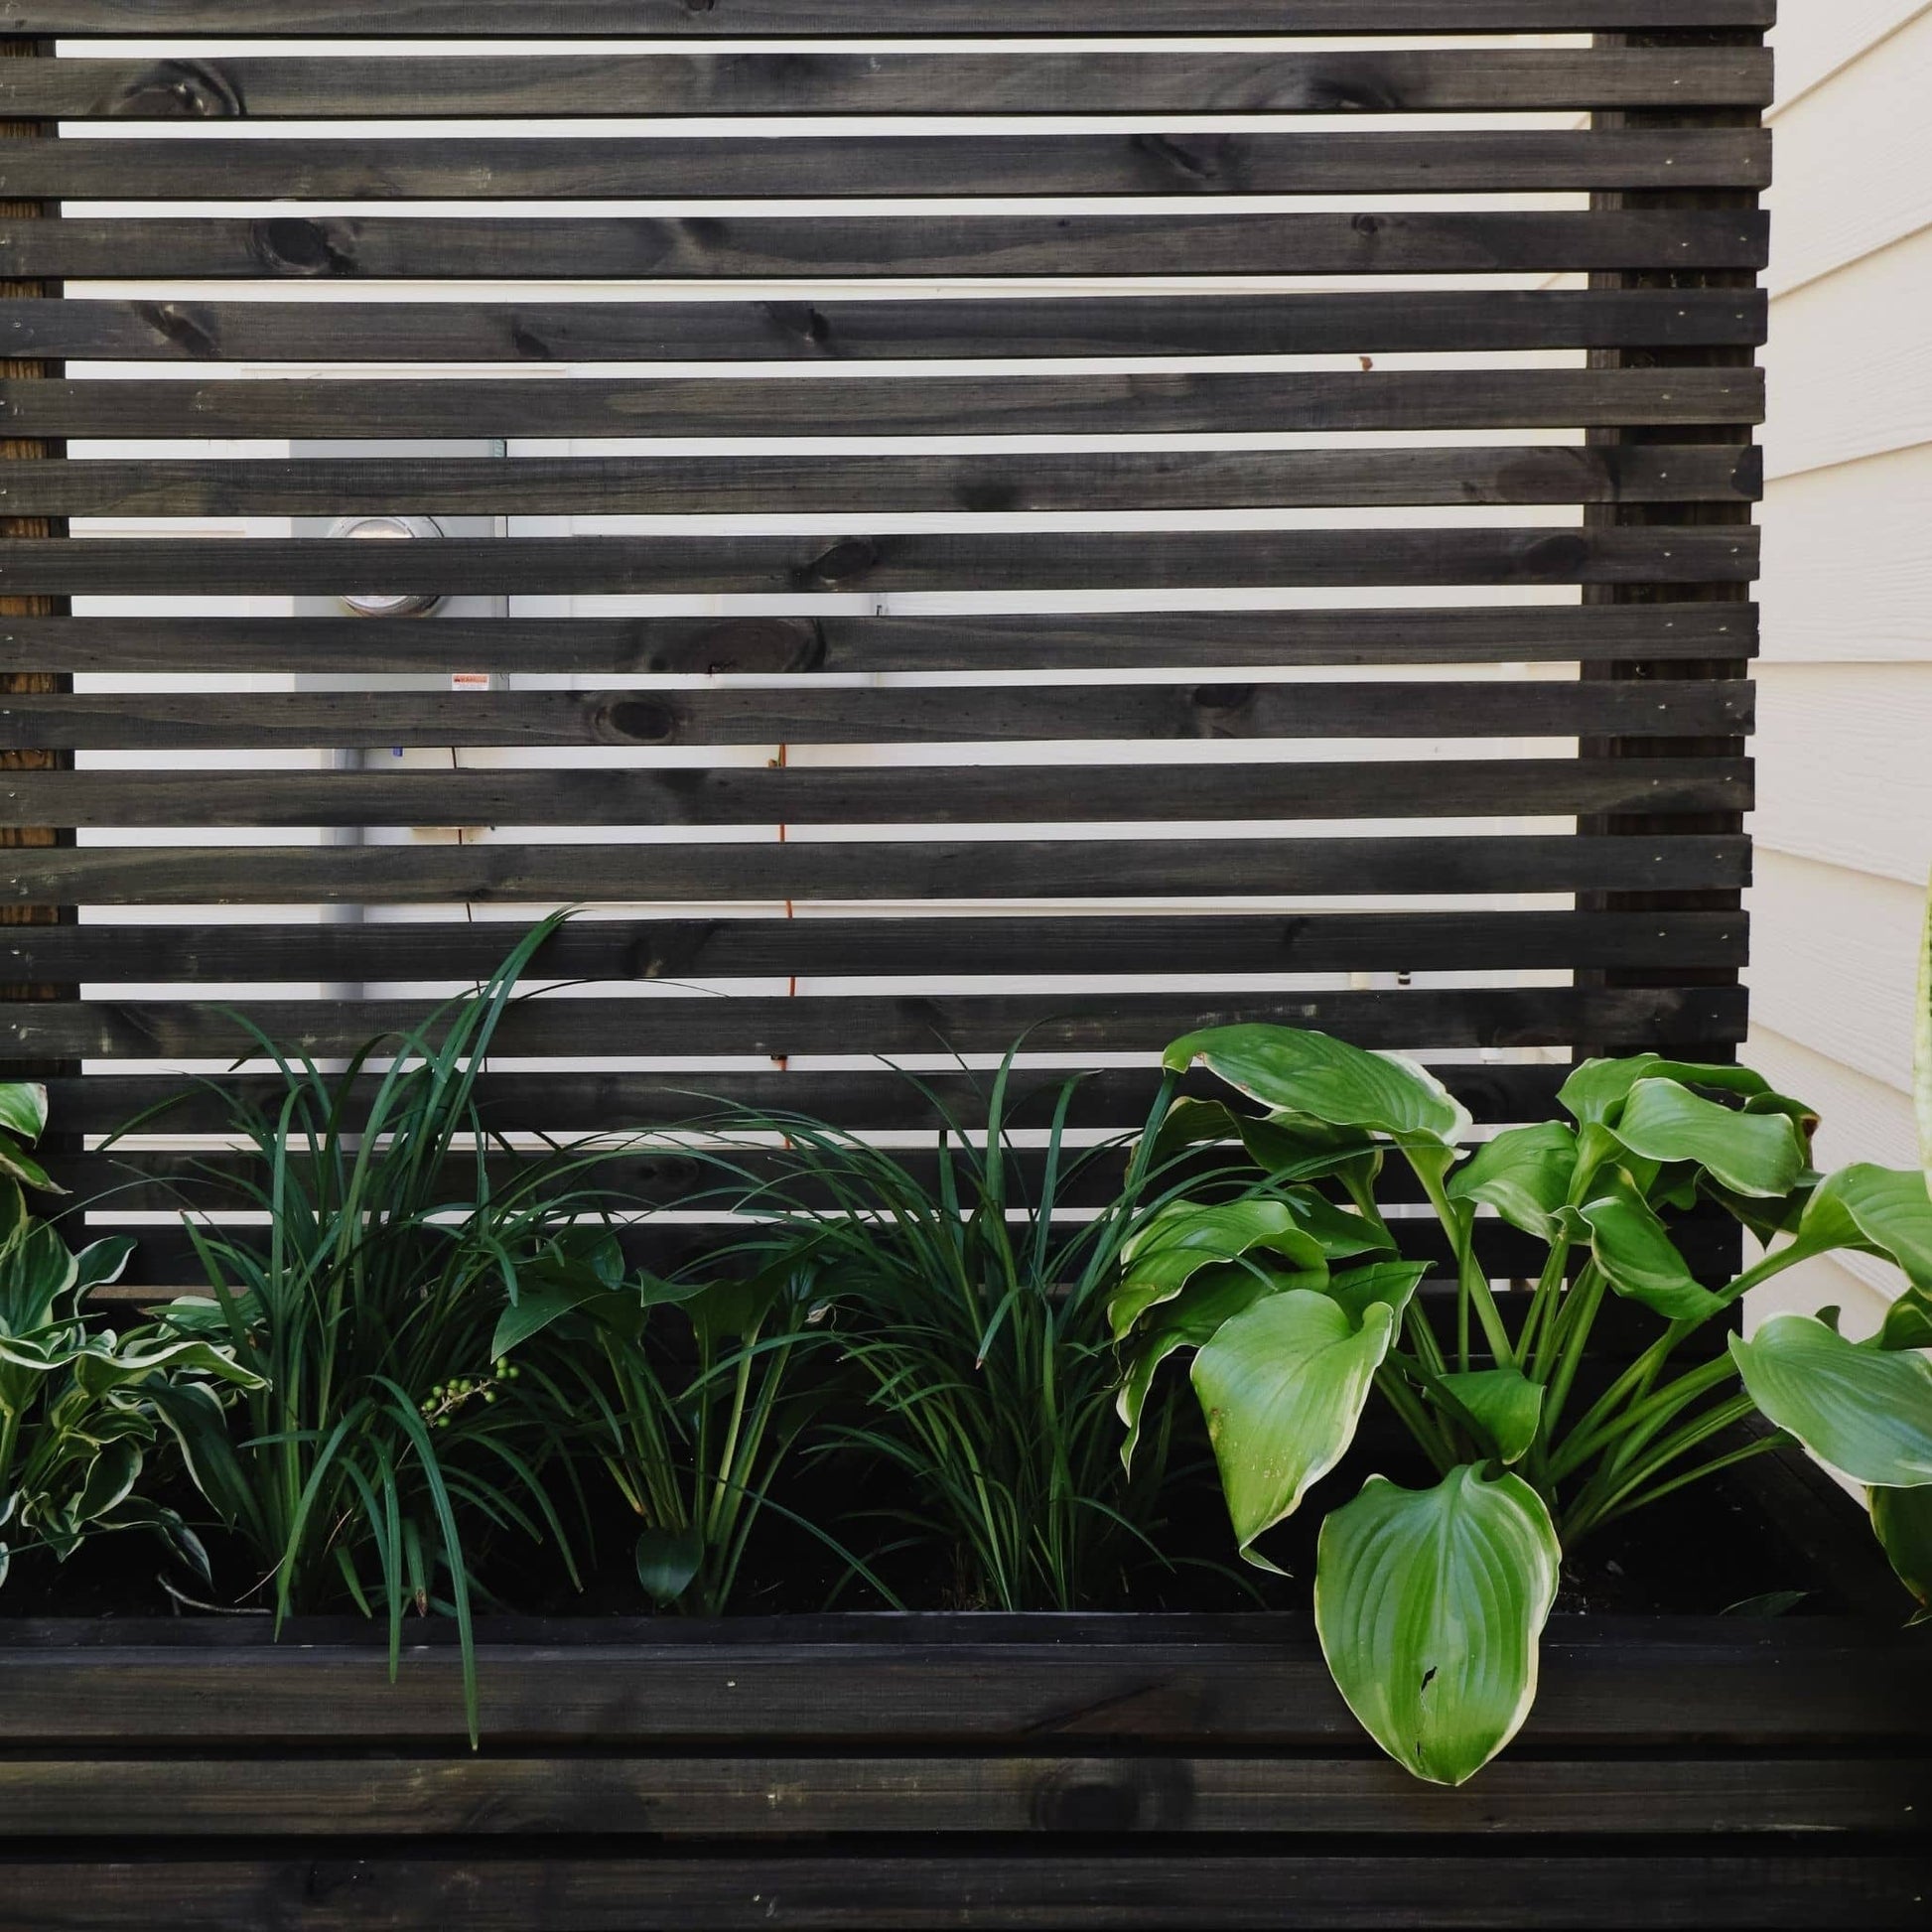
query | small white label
[468, 680]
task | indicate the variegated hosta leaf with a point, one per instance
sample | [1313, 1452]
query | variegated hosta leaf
[1865, 1411]
[1320, 1078]
[1524, 1174]
[1883, 1211]
[23, 1109]
[1430, 1604]
[1751, 1154]
[1595, 1092]
[1181, 1240]
[1283, 1387]
[1633, 1248]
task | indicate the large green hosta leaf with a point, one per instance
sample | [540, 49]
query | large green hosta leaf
[1283, 1387]
[1751, 1154]
[1430, 1604]
[1180, 1241]
[1524, 1174]
[1595, 1092]
[1633, 1249]
[1320, 1078]
[1503, 1403]
[1866, 1411]
[1882, 1211]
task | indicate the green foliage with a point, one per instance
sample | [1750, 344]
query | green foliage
[1429, 1602]
[77, 1413]
[973, 1317]
[692, 1428]
[379, 1439]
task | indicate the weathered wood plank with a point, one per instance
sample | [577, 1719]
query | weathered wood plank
[364, 88]
[796, 795]
[724, 947]
[1347, 322]
[693, 485]
[805, 712]
[1605, 1681]
[783, 1028]
[765, 1797]
[740, 168]
[1012, 405]
[1233, 639]
[840, 247]
[811, 19]
[1719, 1891]
[946, 560]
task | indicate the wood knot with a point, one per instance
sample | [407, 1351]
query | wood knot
[292, 246]
[636, 720]
[854, 558]
[176, 90]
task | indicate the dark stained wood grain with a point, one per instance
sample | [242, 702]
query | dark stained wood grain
[1236, 639]
[801, 714]
[690, 485]
[359, 86]
[806, 796]
[729, 167]
[804, 19]
[807, 871]
[1225, 324]
[1023, 405]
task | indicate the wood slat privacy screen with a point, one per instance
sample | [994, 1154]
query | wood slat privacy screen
[968, 516]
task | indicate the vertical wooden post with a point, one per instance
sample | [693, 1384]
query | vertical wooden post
[1738, 357]
[12, 679]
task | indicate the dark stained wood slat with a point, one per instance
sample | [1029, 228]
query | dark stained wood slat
[900, 1023]
[1071, 560]
[870, 1100]
[688, 949]
[740, 168]
[1247, 1680]
[843, 247]
[804, 871]
[810, 19]
[928, 796]
[799, 714]
[765, 1797]
[1025, 405]
[1348, 323]
[1512, 633]
[689, 485]
[364, 88]
[1718, 1891]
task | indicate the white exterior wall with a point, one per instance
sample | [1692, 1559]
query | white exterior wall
[1844, 750]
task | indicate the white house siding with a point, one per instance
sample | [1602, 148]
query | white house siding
[1844, 828]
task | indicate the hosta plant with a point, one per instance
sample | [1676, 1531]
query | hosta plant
[77, 1413]
[1297, 1312]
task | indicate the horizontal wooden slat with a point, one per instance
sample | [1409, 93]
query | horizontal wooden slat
[847, 248]
[736, 167]
[947, 713]
[1019, 405]
[870, 1100]
[811, 19]
[1104, 869]
[1250, 1679]
[690, 485]
[362, 87]
[765, 1797]
[1705, 1892]
[668, 950]
[828, 795]
[1071, 560]
[897, 1023]
[1346, 323]
[652, 646]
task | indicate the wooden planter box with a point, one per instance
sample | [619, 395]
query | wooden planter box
[961, 1771]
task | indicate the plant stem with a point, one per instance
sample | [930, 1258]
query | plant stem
[1577, 1318]
[1472, 1284]
[1605, 1493]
